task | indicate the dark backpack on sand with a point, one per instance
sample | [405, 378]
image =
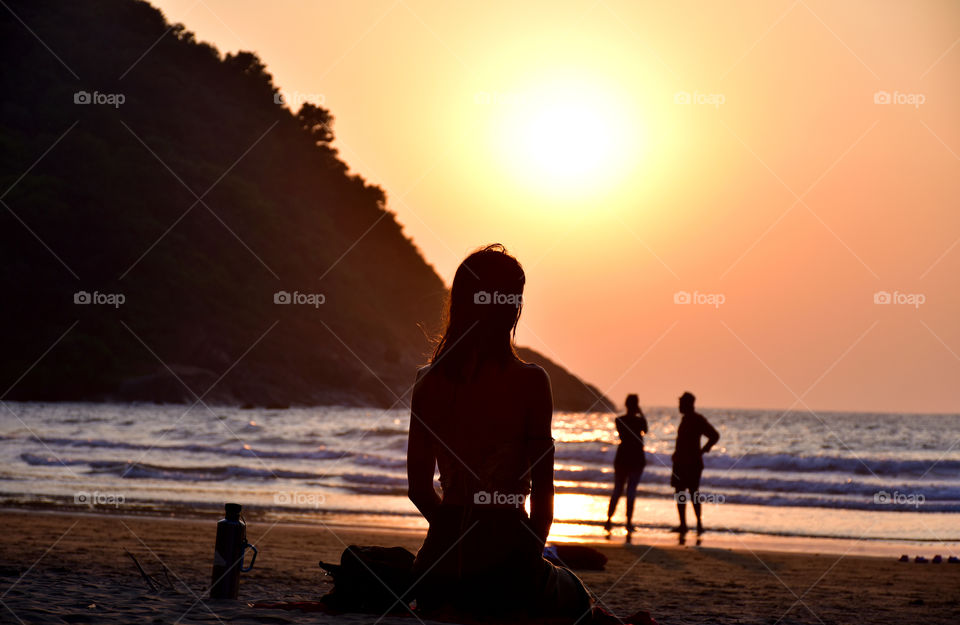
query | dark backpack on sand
[578, 557]
[371, 579]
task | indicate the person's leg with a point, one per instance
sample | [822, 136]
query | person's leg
[618, 483]
[681, 507]
[632, 482]
[695, 494]
[696, 510]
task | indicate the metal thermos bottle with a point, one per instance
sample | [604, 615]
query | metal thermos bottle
[228, 556]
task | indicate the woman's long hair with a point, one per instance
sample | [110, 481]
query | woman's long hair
[482, 313]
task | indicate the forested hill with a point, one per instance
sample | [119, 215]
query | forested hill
[159, 207]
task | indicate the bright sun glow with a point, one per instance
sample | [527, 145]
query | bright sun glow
[568, 137]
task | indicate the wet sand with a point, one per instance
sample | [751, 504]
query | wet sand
[72, 568]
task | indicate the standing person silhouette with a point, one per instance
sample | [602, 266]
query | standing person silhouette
[630, 460]
[688, 459]
[483, 417]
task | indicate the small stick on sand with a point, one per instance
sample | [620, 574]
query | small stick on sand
[143, 573]
[166, 575]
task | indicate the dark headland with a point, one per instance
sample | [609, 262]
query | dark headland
[179, 181]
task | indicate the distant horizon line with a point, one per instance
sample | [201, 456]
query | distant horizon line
[406, 407]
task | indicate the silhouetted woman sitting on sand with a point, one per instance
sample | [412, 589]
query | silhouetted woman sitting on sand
[630, 460]
[483, 416]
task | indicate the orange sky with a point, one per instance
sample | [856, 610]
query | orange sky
[629, 151]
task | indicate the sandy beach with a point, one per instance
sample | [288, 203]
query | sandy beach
[71, 568]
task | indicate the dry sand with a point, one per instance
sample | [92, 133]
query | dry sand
[71, 568]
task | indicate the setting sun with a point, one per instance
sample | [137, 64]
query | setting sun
[568, 136]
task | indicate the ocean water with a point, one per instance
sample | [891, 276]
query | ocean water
[868, 477]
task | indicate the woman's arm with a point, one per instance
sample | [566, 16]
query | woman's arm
[540, 446]
[421, 459]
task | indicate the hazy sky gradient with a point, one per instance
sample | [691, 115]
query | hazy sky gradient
[561, 131]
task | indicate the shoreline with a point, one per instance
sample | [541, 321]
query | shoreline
[72, 567]
[582, 532]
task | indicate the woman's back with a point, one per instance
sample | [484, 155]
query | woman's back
[631, 429]
[481, 428]
[630, 456]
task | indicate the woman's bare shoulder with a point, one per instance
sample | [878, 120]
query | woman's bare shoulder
[421, 375]
[523, 365]
[531, 372]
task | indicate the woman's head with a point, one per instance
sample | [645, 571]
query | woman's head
[482, 311]
[632, 403]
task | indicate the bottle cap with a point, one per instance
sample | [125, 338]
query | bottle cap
[232, 510]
